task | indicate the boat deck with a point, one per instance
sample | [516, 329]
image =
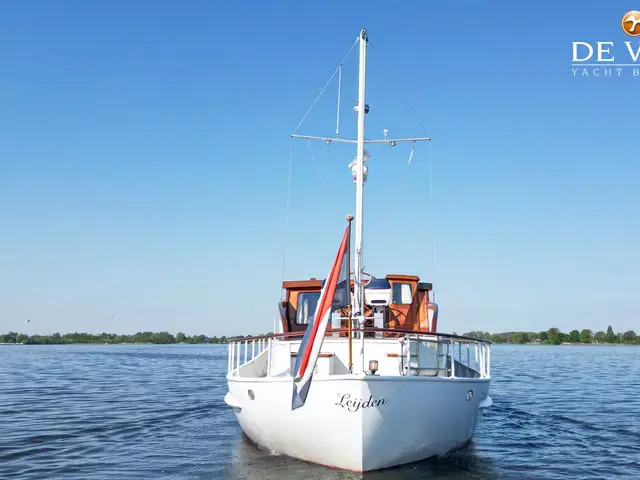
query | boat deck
[431, 355]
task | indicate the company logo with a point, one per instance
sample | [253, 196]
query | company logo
[631, 23]
[610, 58]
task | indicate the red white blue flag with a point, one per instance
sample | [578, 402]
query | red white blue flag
[335, 294]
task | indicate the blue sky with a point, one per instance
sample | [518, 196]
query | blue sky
[144, 151]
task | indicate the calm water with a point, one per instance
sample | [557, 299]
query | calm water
[157, 412]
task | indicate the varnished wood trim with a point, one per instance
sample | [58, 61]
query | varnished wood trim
[302, 284]
[399, 277]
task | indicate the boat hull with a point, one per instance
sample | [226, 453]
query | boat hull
[360, 423]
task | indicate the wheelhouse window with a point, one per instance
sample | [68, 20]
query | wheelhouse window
[402, 293]
[307, 303]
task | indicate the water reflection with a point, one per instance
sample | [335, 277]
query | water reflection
[249, 461]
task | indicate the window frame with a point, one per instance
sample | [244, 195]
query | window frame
[299, 303]
[396, 299]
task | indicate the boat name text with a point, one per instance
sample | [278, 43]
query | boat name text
[354, 404]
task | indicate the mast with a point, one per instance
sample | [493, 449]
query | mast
[358, 172]
[361, 108]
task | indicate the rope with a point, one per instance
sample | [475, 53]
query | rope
[286, 218]
[326, 85]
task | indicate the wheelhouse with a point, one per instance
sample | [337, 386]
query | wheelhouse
[396, 301]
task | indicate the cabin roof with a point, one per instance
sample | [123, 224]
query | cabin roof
[302, 284]
[402, 276]
[314, 284]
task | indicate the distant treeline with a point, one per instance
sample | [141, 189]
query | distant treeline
[140, 337]
[554, 336]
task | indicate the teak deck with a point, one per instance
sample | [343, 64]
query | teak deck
[408, 311]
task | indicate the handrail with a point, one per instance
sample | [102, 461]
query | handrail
[255, 347]
[366, 330]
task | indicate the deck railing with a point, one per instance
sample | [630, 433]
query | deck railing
[458, 357]
[457, 351]
[249, 348]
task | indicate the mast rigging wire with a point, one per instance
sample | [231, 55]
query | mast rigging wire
[338, 68]
[288, 198]
[430, 209]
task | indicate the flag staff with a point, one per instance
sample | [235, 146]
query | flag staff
[349, 318]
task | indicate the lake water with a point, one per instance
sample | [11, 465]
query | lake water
[157, 412]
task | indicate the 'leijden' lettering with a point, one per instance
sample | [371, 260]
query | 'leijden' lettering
[354, 404]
